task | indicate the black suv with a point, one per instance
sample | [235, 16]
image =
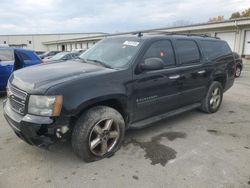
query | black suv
[122, 82]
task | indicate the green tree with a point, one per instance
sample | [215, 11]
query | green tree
[235, 15]
[246, 13]
[243, 14]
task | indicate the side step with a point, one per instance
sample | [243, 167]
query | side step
[146, 122]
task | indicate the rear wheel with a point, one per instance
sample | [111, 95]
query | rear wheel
[211, 103]
[238, 71]
[98, 133]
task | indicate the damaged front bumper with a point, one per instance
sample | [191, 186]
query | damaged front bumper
[35, 130]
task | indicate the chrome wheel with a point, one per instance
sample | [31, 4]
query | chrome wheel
[238, 72]
[103, 137]
[215, 98]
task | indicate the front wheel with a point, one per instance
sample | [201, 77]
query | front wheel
[98, 133]
[211, 103]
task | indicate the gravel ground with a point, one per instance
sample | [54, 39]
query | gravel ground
[190, 150]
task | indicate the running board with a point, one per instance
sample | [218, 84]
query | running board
[146, 122]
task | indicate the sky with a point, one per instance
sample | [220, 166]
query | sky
[112, 16]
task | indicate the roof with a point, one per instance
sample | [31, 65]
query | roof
[201, 26]
[16, 49]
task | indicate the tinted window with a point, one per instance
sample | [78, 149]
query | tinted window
[188, 51]
[161, 49]
[24, 56]
[215, 49]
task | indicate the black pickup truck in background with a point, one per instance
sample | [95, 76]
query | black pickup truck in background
[122, 82]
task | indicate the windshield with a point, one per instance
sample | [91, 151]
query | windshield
[58, 56]
[113, 52]
[6, 55]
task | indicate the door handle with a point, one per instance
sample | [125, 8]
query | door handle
[174, 77]
[201, 72]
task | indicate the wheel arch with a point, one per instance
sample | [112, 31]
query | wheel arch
[118, 102]
[239, 65]
[220, 77]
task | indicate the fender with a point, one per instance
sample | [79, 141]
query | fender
[110, 100]
[220, 75]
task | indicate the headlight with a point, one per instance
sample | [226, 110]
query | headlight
[45, 105]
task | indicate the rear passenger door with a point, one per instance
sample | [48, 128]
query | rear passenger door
[194, 75]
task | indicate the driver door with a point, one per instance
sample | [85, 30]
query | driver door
[157, 91]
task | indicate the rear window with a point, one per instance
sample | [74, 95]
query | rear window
[188, 51]
[6, 55]
[215, 49]
[24, 56]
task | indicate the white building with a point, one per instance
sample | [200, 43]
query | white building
[35, 41]
[235, 32]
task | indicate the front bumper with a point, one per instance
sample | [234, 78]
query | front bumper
[30, 128]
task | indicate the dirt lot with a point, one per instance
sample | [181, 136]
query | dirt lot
[191, 150]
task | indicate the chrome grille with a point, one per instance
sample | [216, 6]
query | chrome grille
[17, 99]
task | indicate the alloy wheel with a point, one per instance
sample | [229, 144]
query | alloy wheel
[238, 71]
[103, 137]
[215, 98]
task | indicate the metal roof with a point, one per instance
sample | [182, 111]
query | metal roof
[87, 33]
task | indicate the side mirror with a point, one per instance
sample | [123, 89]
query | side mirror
[152, 64]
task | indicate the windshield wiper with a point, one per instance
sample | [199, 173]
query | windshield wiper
[100, 62]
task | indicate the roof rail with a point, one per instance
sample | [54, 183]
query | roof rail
[201, 35]
[162, 33]
[140, 34]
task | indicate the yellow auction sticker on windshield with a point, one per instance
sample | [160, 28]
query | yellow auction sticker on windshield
[131, 43]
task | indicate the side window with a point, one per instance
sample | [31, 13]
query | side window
[65, 57]
[24, 56]
[187, 51]
[161, 49]
[6, 55]
[69, 56]
[215, 49]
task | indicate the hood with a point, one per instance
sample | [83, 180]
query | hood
[45, 75]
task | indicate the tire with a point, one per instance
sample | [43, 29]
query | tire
[98, 133]
[238, 72]
[206, 105]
